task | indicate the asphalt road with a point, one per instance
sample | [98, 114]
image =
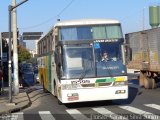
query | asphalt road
[141, 104]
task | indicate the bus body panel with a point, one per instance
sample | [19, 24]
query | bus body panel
[97, 92]
[45, 72]
[94, 94]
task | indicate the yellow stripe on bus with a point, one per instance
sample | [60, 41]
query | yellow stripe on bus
[119, 79]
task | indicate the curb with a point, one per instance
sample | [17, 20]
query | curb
[17, 109]
[23, 107]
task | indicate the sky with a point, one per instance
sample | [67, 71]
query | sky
[41, 15]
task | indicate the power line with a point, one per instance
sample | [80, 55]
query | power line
[45, 22]
[65, 8]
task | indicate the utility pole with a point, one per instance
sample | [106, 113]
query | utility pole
[10, 9]
[143, 18]
[15, 53]
[1, 45]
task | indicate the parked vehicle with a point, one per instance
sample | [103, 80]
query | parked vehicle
[144, 54]
[27, 75]
[28, 79]
[36, 77]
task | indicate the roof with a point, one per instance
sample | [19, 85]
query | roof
[82, 22]
[86, 22]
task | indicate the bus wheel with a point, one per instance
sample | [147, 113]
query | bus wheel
[42, 81]
[59, 102]
[109, 102]
[55, 89]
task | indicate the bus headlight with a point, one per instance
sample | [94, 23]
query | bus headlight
[120, 92]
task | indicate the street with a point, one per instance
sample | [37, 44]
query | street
[141, 104]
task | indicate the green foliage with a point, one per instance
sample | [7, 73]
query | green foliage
[23, 54]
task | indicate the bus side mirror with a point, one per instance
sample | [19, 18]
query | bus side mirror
[123, 49]
[55, 57]
[130, 54]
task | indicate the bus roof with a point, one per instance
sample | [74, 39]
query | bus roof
[82, 22]
[86, 22]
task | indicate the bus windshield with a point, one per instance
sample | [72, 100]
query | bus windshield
[87, 60]
[78, 61]
[108, 56]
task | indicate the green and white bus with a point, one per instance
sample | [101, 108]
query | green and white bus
[70, 65]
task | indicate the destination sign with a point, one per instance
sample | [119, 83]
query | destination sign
[107, 40]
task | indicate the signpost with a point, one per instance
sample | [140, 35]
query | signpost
[32, 35]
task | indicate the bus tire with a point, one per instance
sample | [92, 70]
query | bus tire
[42, 81]
[59, 102]
[109, 102]
[55, 89]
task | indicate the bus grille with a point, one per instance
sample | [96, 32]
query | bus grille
[88, 85]
[96, 84]
[105, 84]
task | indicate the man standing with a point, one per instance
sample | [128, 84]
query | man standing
[1, 77]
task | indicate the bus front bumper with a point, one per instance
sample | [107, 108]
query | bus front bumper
[94, 94]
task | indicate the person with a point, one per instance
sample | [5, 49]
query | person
[1, 77]
[105, 56]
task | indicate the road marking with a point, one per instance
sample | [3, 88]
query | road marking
[46, 115]
[17, 116]
[76, 114]
[145, 114]
[153, 106]
[107, 114]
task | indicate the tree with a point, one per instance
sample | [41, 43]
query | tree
[23, 54]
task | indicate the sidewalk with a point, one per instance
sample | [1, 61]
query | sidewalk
[20, 101]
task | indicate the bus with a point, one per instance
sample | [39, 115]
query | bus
[70, 65]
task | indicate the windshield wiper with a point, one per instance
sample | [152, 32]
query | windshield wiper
[85, 70]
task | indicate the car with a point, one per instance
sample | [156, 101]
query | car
[36, 77]
[28, 79]
[27, 75]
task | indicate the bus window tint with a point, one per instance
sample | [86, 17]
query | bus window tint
[79, 33]
[113, 50]
[68, 33]
[78, 61]
[91, 32]
[84, 33]
[99, 32]
[114, 31]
